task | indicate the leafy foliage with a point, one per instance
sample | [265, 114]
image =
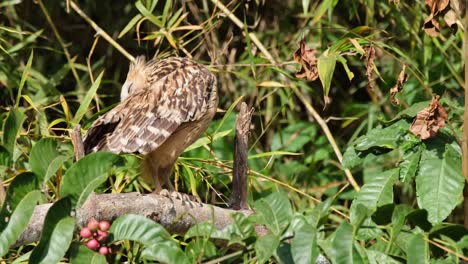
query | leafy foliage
[321, 76]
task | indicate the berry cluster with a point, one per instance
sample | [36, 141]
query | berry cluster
[95, 234]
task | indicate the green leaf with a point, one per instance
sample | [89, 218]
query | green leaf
[350, 158]
[86, 175]
[274, 211]
[138, 228]
[12, 128]
[389, 137]
[5, 158]
[24, 77]
[80, 254]
[439, 181]
[207, 140]
[326, 66]
[148, 14]
[130, 25]
[57, 233]
[87, 100]
[343, 245]
[165, 252]
[41, 156]
[21, 186]
[377, 192]
[410, 164]
[398, 220]
[377, 257]
[265, 246]
[294, 137]
[200, 249]
[304, 248]
[18, 221]
[418, 250]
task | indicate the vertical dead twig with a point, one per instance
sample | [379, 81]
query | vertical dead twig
[77, 141]
[465, 127]
[239, 179]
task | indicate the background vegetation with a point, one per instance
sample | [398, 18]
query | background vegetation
[394, 198]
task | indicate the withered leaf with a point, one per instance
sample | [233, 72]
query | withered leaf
[451, 19]
[306, 57]
[437, 6]
[402, 78]
[370, 57]
[431, 26]
[429, 120]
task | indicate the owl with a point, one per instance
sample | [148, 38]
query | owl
[165, 105]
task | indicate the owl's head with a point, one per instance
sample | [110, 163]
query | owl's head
[135, 77]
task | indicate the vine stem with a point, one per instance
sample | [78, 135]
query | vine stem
[100, 31]
[308, 106]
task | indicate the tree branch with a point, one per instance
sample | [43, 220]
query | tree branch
[174, 215]
[239, 178]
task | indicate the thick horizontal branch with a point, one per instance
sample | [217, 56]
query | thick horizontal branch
[173, 214]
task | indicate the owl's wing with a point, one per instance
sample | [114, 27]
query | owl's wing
[146, 118]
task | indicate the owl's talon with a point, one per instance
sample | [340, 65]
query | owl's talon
[165, 193]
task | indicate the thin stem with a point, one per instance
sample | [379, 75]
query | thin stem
[101, 32]
[465, 127]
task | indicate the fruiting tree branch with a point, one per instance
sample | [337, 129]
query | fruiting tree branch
[174, 215]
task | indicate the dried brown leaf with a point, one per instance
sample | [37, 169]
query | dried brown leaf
[306, 57]
[429, 120]
[402, 78]
[451, 18]
[437, 6]
[370, 57]
[431, 26]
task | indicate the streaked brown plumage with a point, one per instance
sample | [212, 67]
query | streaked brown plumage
[165, 106]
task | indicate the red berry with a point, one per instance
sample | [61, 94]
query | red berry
[93, 224]
[92, 244]
[103, 250]
[104, 225]
[86, 232]
[101, 235]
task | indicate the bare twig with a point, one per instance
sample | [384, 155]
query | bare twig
[77, 141]
[239, 180]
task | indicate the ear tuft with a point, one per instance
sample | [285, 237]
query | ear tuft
[139, 62]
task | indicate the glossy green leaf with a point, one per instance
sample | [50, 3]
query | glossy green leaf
[21, 186]
[418, 250]
[377, 192]
[41, 156]
[200, 249]
[410, 164]
[351, 158]
[304, 248]
[165, 252]
[343, 244]
[439, 181]
[56, 235]
[138, 228]
[86, 175]
[87, 100]
[377, 257]
[11, 129]
[145, 12]
[18, 220]
[265, 246]
[389, 137]
[398, 220]
[5, 158]
[274, 211]
[80, 254]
